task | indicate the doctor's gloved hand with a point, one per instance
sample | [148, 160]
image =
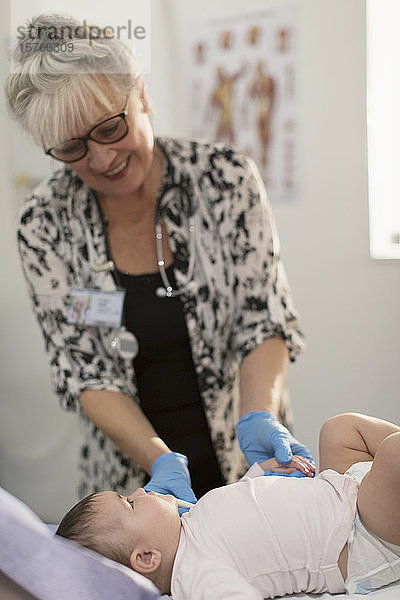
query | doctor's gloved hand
[170, 475]
[261, 437]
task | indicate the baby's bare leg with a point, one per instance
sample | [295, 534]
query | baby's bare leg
[379, 493]
[350, 438]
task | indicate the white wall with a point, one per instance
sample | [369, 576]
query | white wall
[349, 303]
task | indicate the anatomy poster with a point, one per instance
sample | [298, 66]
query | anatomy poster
[244, 91]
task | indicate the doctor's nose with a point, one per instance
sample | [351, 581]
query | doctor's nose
[100, 156]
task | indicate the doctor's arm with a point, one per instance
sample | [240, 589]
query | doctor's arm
[122, 420]
[261, 436]
[82, 370]
[266, 333]
[262, 376]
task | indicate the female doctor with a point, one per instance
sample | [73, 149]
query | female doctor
[179, 359]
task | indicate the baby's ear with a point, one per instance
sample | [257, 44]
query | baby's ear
[145, 561]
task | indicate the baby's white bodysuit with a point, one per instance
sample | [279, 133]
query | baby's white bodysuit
[265, 537]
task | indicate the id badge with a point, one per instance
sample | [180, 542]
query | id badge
[96, 308]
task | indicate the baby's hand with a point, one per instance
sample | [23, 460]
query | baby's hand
[299, 463]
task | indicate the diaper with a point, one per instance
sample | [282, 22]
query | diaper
[358, 470]
[372, 562]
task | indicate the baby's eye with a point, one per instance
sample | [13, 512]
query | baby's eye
[131, 502]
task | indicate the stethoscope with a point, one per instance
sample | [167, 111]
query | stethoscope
[167, 291]
[123, 342]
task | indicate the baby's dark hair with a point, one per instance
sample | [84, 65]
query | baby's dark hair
[83, 525]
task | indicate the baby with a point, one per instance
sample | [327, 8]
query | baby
[265, 536]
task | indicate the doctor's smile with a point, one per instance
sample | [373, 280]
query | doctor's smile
[119, 171]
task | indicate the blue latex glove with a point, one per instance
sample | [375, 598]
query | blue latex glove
[170, 475]
[262, 436]
[296, 473]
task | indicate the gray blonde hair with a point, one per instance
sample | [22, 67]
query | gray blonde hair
[50, 92]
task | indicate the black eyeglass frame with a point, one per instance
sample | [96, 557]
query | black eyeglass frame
[87, 137]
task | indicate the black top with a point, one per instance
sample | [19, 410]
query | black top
[165, 375]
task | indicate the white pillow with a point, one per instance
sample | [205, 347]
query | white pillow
[54, 568]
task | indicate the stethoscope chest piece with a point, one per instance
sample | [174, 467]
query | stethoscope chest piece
[124, 344]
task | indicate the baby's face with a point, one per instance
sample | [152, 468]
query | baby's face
[141, 516]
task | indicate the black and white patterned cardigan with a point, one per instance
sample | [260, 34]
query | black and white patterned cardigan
[238, 297]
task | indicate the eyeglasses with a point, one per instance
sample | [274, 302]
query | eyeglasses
[109, 131]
